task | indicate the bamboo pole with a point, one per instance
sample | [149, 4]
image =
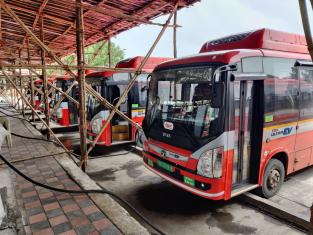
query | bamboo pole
[44, 77]
[20, 77]
[175, 35]
[72, 67]
[81, 83]
[31, 80]
[63, 93]
[110, 52]
[29, 105]
[89, 89]
[308, 36]
[97, 52]
[306, 26]
[120, 14]
[133, 80]
[311, 221]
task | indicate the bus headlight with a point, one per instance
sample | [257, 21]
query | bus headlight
[210, 163]
[96, 125]
[59, 113]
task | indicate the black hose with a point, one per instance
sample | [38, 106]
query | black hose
[97, 191]
[103, 191]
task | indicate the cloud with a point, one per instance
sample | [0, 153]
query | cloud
[211, 19]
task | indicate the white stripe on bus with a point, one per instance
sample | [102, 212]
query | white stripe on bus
[185, 186]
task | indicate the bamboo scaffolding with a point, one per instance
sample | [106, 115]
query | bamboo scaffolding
[308, 36]
[123, 21]
[132, 81]
[70, 67]
[44, 77]
[81, 84]
[30, 106]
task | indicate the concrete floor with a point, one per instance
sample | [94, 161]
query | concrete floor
[176, 211]
[297, 192]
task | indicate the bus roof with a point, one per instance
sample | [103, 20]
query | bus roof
[39, 81]
[132, 63]
[262, 42]
[259, 39]
[135, 62]
[67, 77]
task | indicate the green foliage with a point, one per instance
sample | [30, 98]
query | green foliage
[102, 59]
[95, 55]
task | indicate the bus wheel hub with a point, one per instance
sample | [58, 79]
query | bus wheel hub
[274, 178]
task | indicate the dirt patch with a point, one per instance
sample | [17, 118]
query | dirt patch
[165, 198]
[131, 168]
[103, 175]
[225, 222]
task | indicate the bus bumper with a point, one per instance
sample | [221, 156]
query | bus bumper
[186, 183]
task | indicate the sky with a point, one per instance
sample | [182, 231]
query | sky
[211, 19]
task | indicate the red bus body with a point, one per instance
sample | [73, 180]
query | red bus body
[67, 113]
[38, 97]
[285, 133]
[62, 115]
[105, 80]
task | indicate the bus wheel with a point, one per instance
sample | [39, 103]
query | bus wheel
[139, 139]
[273, 178]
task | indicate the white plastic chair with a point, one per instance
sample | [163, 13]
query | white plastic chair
[5, 130]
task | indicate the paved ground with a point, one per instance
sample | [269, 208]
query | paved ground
[177, 211]
[297, 192]
[44, 211]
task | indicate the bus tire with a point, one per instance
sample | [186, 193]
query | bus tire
[138, 139]
[273, 178]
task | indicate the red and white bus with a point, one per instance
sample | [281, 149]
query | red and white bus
[38, 98]
[236, 117]
[111, 86]
[67, 113]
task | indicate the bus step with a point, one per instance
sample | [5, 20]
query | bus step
[244, 188]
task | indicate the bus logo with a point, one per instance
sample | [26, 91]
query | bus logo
[287, 130]
[163, 153]
[168, 126]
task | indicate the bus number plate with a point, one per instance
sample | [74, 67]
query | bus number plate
[165, 166]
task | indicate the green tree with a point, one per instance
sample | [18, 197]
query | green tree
[95, 55]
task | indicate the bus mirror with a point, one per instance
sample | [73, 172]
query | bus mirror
[218, 95]
[143, 89]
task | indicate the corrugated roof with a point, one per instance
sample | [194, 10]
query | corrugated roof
[59, 21]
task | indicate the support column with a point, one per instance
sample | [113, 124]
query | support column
[109, 53]
[31, 81]
[81, 83]
[44, 77]
[306, 26]
[311, 223]
[22, 88]
[175, 35]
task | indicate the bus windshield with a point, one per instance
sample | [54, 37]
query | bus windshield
[112, 88]
[179, 107]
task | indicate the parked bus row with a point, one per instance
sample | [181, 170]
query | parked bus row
[110, 85]
[236, 117]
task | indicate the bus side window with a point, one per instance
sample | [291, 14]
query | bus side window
[252, 65]
[306, 93]
[281, 88]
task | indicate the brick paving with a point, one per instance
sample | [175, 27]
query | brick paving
[48, 212]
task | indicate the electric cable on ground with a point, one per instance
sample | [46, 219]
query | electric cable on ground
[96, 191]
[103, 191]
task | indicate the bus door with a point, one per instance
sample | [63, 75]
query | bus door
[246, 95]
[120, 129]
[303, 146]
